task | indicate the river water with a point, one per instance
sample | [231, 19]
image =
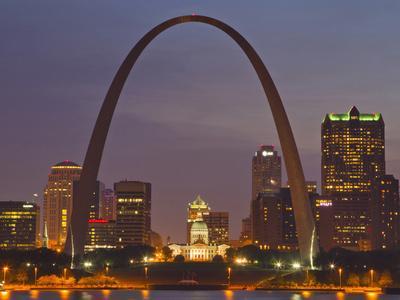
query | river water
[185, 295]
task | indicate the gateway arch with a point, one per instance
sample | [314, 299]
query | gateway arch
[301, 205]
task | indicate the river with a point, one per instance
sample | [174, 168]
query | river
[185, 295]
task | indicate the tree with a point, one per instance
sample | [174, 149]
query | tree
[49, 280]
[98, 280]
[230, 254]
[166, 253]
[385, 279]
[179, 259]
[353, 280]
[218, 259]
[21, 276]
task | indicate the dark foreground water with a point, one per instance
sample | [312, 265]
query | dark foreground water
[183, 295]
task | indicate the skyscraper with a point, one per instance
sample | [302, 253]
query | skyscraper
[266, 171]
[133, 223]
[101, 235]
[266, 184]
[353, 157]
[19, 225]
[267, 220]
[57, 204]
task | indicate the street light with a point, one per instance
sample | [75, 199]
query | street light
[340, 277]
[5, 269]
[65, 273]
[278, 265]
[107, 268]
[372, 277]
[229, 276]
[332, 266]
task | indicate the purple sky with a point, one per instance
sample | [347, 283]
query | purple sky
[192, 112]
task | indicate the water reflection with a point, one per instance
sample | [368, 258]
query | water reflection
[186, 295]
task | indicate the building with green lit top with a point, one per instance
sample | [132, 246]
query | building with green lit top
[353, 157]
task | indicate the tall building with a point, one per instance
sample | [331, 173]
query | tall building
[196, 211]
[324, 220]
[19, 225]
[95, 201]
[133, 223]
[353, 157]
[218, 227]
[289, 233]
[267, 220]
[266, 182]
[386, 209]
[266, 171]
[108, 205]
[101, 235]
[57, 202]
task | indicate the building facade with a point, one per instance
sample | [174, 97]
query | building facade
[386, 209]
[353, 157]
[57, 202]
[96, 200]
[218, 227]
[266, 171]
[199, 247]
[19, 225]
[108, 205]
[101, 235]
[133, 222]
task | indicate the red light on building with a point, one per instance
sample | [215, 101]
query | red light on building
[97, 221]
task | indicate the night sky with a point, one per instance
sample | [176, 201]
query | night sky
[192, 112]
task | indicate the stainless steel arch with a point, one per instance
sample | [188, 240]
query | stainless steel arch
[302, 208]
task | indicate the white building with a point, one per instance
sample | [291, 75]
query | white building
[199, 248]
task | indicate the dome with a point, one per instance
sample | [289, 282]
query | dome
[199, 225]
[199, 233]
[67, 164]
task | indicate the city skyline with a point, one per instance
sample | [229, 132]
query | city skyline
[192, 143]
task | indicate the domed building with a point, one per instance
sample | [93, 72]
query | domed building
[199, 248]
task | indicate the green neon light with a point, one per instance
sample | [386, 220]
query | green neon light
[363, 117]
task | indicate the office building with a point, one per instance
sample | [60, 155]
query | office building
[57, 202]
[266, 171]
[133, 223]
[101, 235]
[386, 209]
[353, 157]
[108, 205]
[19, 225]
[218, 227]
[96, 200]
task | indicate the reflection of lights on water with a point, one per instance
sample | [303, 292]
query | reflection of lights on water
[306, 294]
[106, 293]
[64, 294]
[5, 295]
[295, 297]
[340, 296]
[34, 294]
[145, 294]
[228, 295]
[372, 296]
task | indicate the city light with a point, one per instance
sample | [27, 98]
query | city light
[87, 264]
[332, 266]
[278, 265]
[241, 261]
[296, 265]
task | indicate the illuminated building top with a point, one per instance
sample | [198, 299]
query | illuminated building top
[359, 116]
